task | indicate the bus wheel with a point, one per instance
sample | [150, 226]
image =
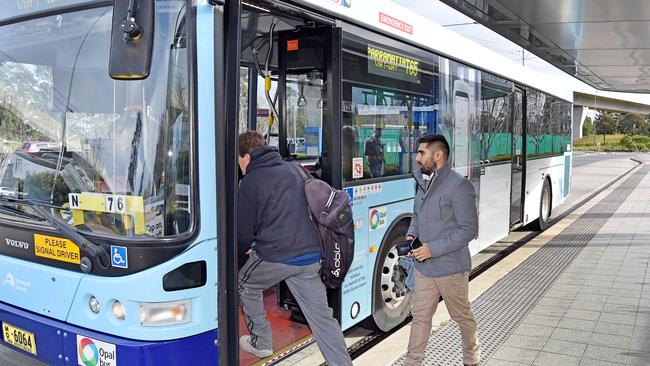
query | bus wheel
[544, 208]
[392, 300]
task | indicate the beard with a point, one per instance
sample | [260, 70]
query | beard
[425, 170]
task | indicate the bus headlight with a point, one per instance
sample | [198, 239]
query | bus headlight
[118, 310]
[93, 303]
[154, 314]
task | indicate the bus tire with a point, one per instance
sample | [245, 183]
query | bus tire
[391, 304]
[545, 203]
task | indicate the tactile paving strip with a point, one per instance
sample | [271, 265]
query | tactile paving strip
[501, 308]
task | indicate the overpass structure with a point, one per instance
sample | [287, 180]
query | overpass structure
[583, 101]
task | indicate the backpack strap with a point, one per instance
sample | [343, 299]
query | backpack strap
[305, 176]
[302, 172]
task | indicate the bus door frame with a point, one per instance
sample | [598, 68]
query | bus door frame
[227, 58]
[514, 218]
[332, 124]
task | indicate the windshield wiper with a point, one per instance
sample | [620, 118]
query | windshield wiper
[95, 251]
[18, 213]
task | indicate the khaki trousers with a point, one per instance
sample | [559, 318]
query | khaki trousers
[454, 290]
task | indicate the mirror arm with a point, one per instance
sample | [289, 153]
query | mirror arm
[130, 29]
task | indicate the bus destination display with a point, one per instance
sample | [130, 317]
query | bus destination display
[389, 64]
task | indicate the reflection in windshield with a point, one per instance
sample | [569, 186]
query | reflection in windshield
[114, 155]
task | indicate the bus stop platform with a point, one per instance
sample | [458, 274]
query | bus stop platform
[578, 294]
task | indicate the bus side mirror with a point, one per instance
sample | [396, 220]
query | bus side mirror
[132, 39]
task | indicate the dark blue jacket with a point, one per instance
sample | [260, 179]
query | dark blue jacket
[272, 209]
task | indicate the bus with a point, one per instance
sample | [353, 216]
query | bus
[118, 234]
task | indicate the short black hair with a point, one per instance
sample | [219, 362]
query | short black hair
[439, 141]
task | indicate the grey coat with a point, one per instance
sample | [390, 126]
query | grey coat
[445, 217]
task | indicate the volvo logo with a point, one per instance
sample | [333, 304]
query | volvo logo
[17, 244]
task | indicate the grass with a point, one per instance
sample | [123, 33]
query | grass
[635, 143]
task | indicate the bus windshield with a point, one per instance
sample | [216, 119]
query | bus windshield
[111, 157]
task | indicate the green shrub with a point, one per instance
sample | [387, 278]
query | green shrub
[636, 143]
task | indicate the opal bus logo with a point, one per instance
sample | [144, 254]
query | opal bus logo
[92, 352]
[378, 218]
[88, 352]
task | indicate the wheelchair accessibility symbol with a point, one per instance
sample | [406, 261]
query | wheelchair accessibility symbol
[118, 257]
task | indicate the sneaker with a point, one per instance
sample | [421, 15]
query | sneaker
[246, 346]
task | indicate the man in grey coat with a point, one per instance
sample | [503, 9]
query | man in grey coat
[445, 220]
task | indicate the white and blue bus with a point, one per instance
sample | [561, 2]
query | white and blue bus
[119, 123]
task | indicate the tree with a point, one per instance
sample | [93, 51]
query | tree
[494, 120]
[40, 186]
[587, 127]
[631, 122]
[606, 124]
[644, 128]
[538, 120]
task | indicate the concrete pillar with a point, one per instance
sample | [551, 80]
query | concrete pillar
[579, 116]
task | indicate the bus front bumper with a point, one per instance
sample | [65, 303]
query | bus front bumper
[58, 343]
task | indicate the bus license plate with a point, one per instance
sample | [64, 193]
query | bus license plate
[19, 338]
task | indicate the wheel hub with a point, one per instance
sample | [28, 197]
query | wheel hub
[393, 280]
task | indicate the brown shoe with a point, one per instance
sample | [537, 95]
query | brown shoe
[474, 364]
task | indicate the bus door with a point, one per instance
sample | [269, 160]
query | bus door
[518, 181]
[294, 100]
[309, 106]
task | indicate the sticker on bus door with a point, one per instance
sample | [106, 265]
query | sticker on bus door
[357, 168]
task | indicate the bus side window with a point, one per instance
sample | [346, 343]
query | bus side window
[385, 107]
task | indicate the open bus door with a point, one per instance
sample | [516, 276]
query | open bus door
[309, 90]
[518, 181]
[303, 69]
